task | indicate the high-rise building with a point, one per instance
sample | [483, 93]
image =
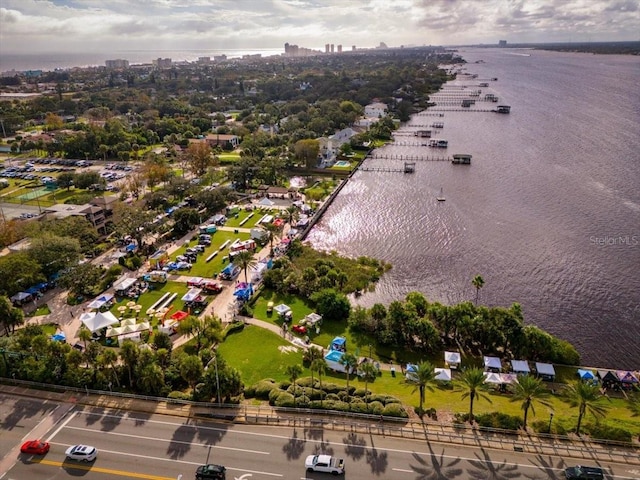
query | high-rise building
[332, 49]
[326, 48]
[339, 48]
[353, 48]
[119, 63]
[502, 43]
[162, 62]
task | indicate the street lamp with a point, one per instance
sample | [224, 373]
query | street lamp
[215, 358]
[550, 420]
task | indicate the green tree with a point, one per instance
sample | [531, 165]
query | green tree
[109, 358]
[478, 283]
[84, 334]
[291, 214]
[471, 384]
[184, 220]
[530, 390]
[10, 316]
[244, 259]
[151, 379]
[199, 157]
[65, 180]
[294, 371]
[131, 220]
[422, 379]
[332, 305]
[130, 353]
[191, 370]
[82, 279]
[349, 362]
[306, 151]
[587, 398]
[54, 253]
[369, 373]
[86, 179]
[633, 404]
[19, 271]
[205, 330]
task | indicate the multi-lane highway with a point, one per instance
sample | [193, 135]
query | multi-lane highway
[156, 447]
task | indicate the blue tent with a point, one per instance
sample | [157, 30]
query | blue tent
[228, 270]
[59, 337]
[42, 286]
[131, 247]
[244, 293]
[338, 343]
[585, 374]
[33, 290]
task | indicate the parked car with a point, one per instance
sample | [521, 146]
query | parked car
[35, 447]
[324, 463]
[211, 472]
[582, 472]
[82, 453]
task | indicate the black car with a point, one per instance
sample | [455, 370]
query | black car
[587, 473]
[211, 472]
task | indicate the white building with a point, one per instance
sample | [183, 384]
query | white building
[376, 110]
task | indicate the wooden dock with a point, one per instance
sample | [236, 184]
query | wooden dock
[409, 167]
[411, 158]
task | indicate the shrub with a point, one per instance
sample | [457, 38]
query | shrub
[306, 382]
[273, 395]
[233, 328]
[262, 389]
[359, 407]
[499, 420]
[332, 397]
[331, 387]
[376, 408]
[177, 395]
[606, 432]
[284, 399]
[395, 410]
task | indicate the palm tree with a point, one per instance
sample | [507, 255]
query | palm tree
[109, 357]
[291, 213]
[349, 362]
[130, 353]
[422, 378]
[85, 335]
[244, 259]
[471, 384]
[633, 404]
[369, 372]
[320, 367]
[587, 398]
[530, 390]
[294, 372]
[477, 282]
[271, 235]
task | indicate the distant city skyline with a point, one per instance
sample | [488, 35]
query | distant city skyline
[74, 26]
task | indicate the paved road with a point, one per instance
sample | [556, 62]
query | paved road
[160, 447]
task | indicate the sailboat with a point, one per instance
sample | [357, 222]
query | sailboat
[440, 197]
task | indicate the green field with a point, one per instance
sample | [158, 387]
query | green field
[148, 298]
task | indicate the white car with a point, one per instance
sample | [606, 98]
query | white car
[324, 463]
[84, 453]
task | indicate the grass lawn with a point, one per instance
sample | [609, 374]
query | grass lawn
[152, 296]
[258, 354]
[203, 269]
[241, 215]
[41, 310]
[228, 157]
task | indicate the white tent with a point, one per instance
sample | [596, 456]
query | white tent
[124, 284]
[282, 309]
[509, 378]
[520, 366]
[491, 377]
[443, 374]
[95, 321]
[492, 363]
[452, 359]
[100, 301]
[312, 319]
[191, 295]
[266, 202]
[545, 370]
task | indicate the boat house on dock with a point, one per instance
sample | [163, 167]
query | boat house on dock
[461, 159]
[503, 109]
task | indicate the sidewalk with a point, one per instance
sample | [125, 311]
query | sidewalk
[370, 425]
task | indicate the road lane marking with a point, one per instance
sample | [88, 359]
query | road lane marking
[258, 452]
[91, 468]
[40, 422]
[64, 424]
[402, 470]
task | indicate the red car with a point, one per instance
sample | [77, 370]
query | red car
[299, 329]
[35, 447]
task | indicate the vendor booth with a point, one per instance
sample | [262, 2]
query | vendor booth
[546, 371]
[520, 367]
[452, 359]
[492, 364]
[95, 321]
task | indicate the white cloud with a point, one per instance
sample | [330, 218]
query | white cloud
[32, 26]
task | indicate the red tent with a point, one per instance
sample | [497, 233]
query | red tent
[179, 315]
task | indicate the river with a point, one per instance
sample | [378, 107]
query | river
[548, 213]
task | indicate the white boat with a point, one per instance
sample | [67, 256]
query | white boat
[440, 197]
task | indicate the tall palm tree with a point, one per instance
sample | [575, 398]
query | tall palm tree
[349, 362]
[85, 335]
[291, 214]
[477, 282]
[294, 372]
[633, 404]
[530, 390]
[109, 357]
[587, 398]
[369, 373]
[471, 384]
[130, 353]
[244, 260]
[320, 367]
[422, 378]
[272, 230]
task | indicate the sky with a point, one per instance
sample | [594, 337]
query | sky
[42, 26]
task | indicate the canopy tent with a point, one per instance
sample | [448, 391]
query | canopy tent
[124, 284]
[266, 202]
[520, 366]
[607, 376]
[410, 371]
[443, 374]
[585, 374]
[59, 337]
[545, 370]
[191, 295]
[312, 319]
[100, 301]
[21, 297]
[282, 309]
[244, 293]
[196, 281]
[452, 359]
[339, 343]
[33, 290]
[95, 321]
[179, 315]
[509, 378]
[626, 376]
[228, 270]
[492, 363]
[127, 321]
[492, 377]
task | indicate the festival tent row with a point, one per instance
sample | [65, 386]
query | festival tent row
[101, 301]
[521, 367]
[95, 321]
